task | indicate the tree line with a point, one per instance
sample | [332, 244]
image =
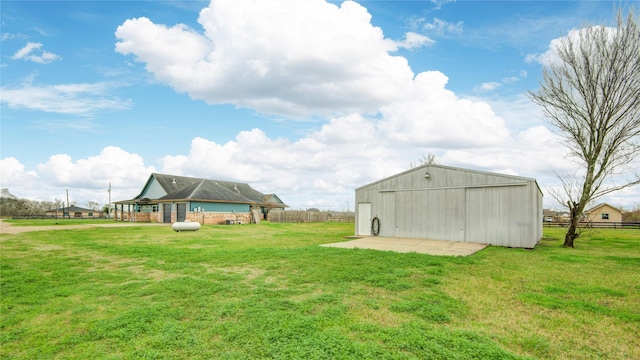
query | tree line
[11, 205]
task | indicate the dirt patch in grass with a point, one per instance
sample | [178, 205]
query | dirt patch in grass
[249, 272]
[47, 247]
[9, 228]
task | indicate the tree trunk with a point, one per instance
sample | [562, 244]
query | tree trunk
[570, 236]
[572, 232]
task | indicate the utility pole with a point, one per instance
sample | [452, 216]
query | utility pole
[68, 206]
[109, 206]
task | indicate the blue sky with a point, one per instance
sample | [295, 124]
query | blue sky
[306, 99]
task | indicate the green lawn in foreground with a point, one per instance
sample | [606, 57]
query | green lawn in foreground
[268, 291]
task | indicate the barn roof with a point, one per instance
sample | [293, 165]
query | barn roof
[426, 166]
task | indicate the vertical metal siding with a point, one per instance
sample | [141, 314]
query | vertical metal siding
[498, 216]
[457, 204]
[536, 209]
[431, 213]
[386, 213]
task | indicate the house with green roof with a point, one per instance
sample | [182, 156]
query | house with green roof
[171, 198]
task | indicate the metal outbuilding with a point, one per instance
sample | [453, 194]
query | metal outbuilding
[446, 203]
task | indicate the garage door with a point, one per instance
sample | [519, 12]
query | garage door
[182, 212]
[430, 214]
[166, 213]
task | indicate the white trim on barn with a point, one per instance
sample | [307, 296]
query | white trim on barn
[446, 203]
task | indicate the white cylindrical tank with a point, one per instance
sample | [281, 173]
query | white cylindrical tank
[185, 226]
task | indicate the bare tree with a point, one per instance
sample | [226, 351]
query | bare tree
[632, 215]
[591, 95]
[93, 205]
[430, 159]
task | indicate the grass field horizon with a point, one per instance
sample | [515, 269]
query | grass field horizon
[268, 291]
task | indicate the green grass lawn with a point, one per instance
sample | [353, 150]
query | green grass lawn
[268, 291]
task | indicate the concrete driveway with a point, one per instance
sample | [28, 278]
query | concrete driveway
[405, 245]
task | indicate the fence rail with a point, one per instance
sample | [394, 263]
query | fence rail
[299, 216]
[596, 225]
[34, 216]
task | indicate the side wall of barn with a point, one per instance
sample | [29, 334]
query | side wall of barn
[453, 204]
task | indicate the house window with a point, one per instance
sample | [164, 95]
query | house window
[605, 216]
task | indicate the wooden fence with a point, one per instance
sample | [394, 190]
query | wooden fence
[596, 225]
[299, 216]
[34, 216]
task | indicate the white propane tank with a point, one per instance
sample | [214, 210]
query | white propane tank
[185, 226]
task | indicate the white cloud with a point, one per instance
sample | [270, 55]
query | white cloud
[439, 3]
[72, 99]
[550, 56]
[535, 152]
[86, 179]
[323, 166]
[309, 58]
[436, 117]
[510, 80]
[322, 169]
[494, 85]
[32, 52]
[112, 164]
[288, 57]
[13, 173]
[518, 111]
[10, 36]
[413, 40]
[442, 27]
[488, 86]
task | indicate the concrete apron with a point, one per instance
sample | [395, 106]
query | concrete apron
[405, 245]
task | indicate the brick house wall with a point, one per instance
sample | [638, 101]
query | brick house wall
[204, 218]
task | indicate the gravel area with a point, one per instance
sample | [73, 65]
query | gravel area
[8, 228]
